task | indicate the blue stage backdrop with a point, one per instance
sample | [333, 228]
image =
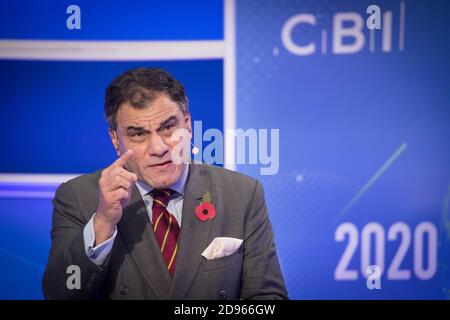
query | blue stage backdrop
[52, 110]
[363, 116]
[363, 184]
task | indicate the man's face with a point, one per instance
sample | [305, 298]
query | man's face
[148, 133]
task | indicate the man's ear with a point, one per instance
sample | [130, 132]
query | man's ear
[114, 140]
[187, 119]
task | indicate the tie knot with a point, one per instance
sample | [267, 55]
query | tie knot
[161, 197]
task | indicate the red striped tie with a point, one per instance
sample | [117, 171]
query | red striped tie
[165, 226]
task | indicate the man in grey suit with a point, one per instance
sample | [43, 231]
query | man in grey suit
[150, 227]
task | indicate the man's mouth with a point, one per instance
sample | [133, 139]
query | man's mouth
[162, 165]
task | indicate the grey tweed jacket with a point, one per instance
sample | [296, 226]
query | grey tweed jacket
[135, 268]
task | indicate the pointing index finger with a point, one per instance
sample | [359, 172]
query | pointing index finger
[124, 158]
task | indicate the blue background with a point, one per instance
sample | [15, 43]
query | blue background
[36, 122]
[340, 118]
[112, 20]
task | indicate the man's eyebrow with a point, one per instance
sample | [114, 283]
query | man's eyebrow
[166, 122]
[134, 128]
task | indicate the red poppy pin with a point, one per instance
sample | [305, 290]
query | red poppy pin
[205, 210]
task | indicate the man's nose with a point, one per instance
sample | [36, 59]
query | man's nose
[158, 147]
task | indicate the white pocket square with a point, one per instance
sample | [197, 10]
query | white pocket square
[221, 247]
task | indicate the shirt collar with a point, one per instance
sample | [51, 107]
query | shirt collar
[178, 186]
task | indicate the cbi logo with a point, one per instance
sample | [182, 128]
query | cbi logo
[348, 34]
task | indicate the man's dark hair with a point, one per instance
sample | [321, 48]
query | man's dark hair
[140, 87]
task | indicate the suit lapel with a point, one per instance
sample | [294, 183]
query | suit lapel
[136, 231]
[194, 233]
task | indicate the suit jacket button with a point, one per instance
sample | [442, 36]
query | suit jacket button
[223, 294]
[123, 289]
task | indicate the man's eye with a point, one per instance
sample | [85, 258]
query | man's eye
[138, 134]
[169, 126]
